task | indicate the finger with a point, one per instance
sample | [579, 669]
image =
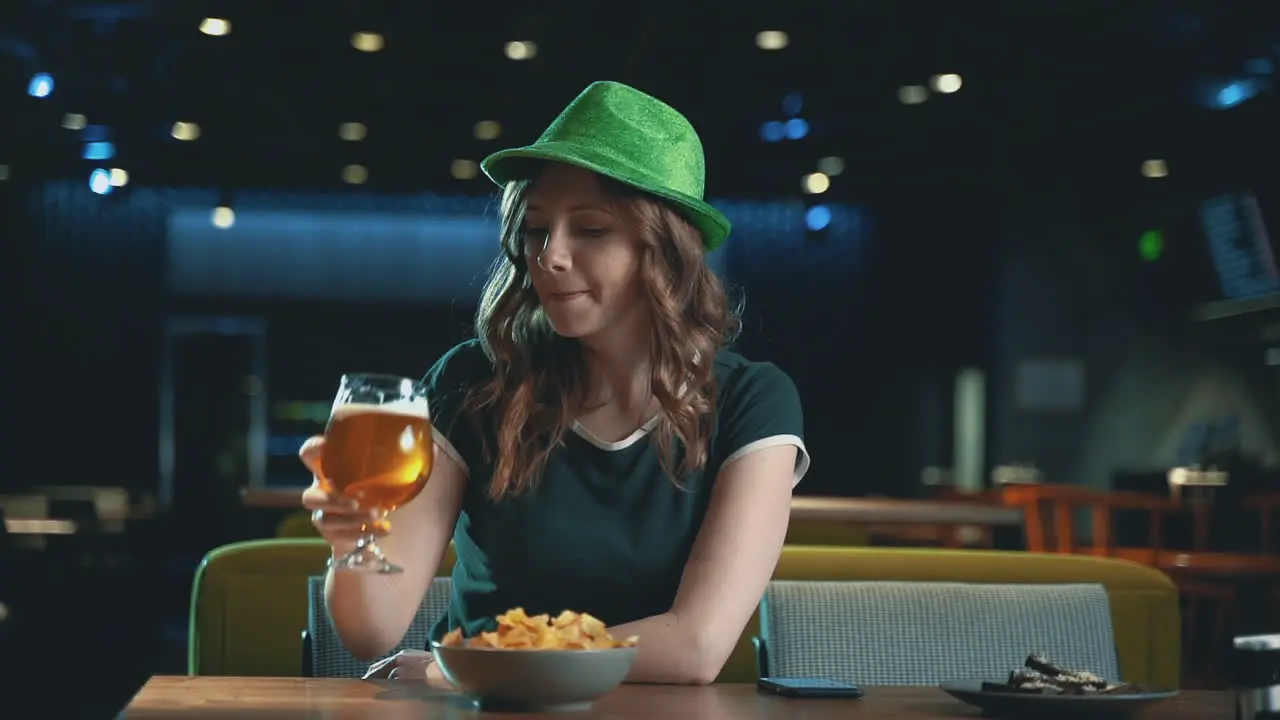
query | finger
[415, 656]
[416, 663]
[338, 519]
[342, 513]
[345, 531]
[381, 669]
[315, 498]
[311, 451]
[410, 671]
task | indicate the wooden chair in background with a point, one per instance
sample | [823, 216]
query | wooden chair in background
[1050, 526]
[1266, 505]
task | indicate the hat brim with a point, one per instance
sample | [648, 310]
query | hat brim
[505, 166]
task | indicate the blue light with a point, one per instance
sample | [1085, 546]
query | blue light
[792, 104]
[797, 128]
[99, 151]
[95, 133]
[100, 182]
[772, 131]
[817, 217]
[1259, 66]
[1235, 93]
[41, 85]
[1230, 95]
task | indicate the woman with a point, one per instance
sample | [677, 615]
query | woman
[597, 448]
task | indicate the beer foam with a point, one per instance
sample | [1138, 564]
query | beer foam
[408, 408]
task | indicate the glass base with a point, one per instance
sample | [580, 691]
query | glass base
[367, 557]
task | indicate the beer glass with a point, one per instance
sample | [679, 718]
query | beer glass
[377, 452]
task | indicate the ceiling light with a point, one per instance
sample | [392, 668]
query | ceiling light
[223, 217]
[521, 50]
[772, 40]
[369, 42]
[352, 131]
[185, 131]
[464, 169]
[100, 182]
[487, 130]
[815, 183]
[817, 218]
[946, 83]
[355, 174]
[912, 94]
[119, 177]
[216, 27]
[832, 166]
[74, 121]
[4, 173]
[40, 86]
[1155, 168]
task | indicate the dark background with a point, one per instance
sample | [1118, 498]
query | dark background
[978, 229]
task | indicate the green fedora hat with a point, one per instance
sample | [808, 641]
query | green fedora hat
[636, 139]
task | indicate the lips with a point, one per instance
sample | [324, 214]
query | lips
[565, 296]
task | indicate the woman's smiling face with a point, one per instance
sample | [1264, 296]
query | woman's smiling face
[583, 255]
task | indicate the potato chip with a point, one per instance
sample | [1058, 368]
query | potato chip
[518, 631]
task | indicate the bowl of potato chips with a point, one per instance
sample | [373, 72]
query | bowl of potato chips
[536, 662]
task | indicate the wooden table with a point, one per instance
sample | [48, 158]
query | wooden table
[280, 498]
[949, 523]
[894, 510]
[208, 698]
[39, 526]
[852, 510]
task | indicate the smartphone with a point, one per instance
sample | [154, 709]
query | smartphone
[809, 688]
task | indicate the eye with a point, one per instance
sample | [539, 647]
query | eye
[533, 235]
[593, 232]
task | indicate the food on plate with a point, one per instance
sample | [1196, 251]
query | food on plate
[1038, 676]
[518, 631]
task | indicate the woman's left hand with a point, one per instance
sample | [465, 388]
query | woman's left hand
[416, 665]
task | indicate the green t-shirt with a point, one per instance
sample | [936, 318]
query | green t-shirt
[605, 530]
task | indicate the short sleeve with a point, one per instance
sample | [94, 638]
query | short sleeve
[760, 408]
[448, 383]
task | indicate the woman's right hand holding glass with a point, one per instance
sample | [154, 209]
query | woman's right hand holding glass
[338, 519]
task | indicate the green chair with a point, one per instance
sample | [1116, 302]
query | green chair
[249, 607]
[249, 601]
[296, 525]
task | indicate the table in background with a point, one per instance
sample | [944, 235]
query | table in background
[207, 698]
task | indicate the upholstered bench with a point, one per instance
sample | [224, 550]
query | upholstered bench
[250, 604]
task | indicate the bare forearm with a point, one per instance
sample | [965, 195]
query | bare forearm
[372, 612]
[362, 608]
[727, 571]
[669, 653]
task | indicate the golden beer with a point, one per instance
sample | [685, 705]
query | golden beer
[377, 452]
[378, 455]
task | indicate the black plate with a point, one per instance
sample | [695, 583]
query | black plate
[1019, 704]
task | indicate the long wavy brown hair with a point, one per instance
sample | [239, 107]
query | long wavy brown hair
[540, 380]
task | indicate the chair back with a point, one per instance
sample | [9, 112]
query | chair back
[1049, 518]
[923, 633]
[249, 600]
[248, 607]
[327, 657]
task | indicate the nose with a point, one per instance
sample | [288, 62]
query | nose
[555, 255]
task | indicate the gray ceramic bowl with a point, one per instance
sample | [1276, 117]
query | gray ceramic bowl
[533, 680]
